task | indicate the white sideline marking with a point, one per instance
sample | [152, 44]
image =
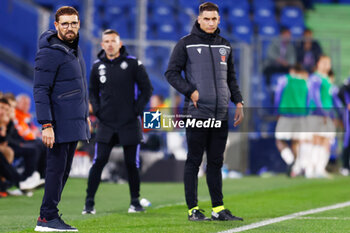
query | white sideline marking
[176, 204]
[287, 217]
[324, 218]
[169, 205]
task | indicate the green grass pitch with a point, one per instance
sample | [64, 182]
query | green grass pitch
[253, 198]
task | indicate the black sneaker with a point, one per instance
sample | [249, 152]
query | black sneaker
[197, 215]
[224, 215]
[88, 209]
[56, 224]
[136, 209]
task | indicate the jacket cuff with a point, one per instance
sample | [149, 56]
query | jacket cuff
[189, 93]
[44, 122]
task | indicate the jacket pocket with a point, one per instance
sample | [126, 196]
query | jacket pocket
[69, 94]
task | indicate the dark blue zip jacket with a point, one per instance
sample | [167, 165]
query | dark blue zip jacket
[60, 89]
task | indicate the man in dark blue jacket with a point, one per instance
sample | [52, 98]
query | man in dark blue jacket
[209, 84]
[119, 91]
[61, 101]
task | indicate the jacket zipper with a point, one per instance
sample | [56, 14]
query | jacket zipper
[87, 104]
[216, 90]
[70, 93]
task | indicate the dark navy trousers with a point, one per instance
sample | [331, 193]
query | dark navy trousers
[58, 165]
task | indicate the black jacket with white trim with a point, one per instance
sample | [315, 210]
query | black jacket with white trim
[208, 65]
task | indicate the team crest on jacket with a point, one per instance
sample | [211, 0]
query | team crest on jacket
[222, 51]
[103, 79]
[102, 72]
[124, 65]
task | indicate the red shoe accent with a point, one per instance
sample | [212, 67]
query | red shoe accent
[3, 194]
[42, 219]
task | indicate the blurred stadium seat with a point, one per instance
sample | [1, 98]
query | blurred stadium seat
[22, 42]
[243, 31]
[291, 16]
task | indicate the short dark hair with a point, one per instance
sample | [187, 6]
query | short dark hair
[65, 10]
[9, 96]
[208, 6]
[284, 29]
[109, 31]
[298, 68]
[307, 30]
[4, 101]
[330, 73]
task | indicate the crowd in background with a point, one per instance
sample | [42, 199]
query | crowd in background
[310, 106]
[22, 154]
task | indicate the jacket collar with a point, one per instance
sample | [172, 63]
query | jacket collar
[123, 54]
[196, 30]
[49, 39]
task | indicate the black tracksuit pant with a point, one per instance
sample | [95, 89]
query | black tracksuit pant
[58, 165]
[213, 141]
[102, 153]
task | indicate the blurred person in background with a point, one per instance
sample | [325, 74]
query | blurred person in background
[62, 107]
[24, 120]
[209, 84]
[33, 151]
[119, 91]
[7, 171]
[320, 121]
[291, 99]
[281, 55]
[308, 51]
[5, 128]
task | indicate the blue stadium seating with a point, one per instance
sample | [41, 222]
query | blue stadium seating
[239, 13]
[291, 16]
[167, 31]
[268, 29]
[124, 26]
[344, 1]
[243, 31]
[14, 36]
[264, 3]
[264, 15]
[162, 11]
[297, 30]
[186, 23]
[14, 83]
[157, 58]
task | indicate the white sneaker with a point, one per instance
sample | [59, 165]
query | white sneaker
[15, 192]
[31, 182]
[344, 171]
[145, 203]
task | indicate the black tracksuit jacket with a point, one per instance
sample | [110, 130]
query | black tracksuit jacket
[119, 91]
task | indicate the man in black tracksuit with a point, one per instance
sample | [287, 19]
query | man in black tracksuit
[119, 91]
[210, 82]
